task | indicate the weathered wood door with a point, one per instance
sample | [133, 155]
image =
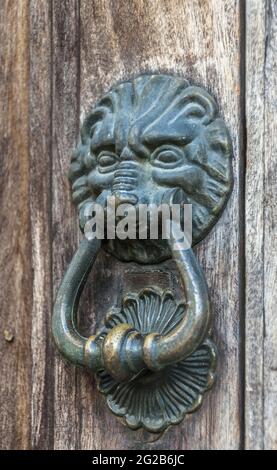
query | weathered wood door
[57, 58]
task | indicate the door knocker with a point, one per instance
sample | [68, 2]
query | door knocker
[151, 140]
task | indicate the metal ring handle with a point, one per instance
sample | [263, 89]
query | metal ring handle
[125, 352]
[73, 346]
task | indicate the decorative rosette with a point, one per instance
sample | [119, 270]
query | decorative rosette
[155, 400]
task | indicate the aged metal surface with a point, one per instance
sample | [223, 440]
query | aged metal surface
[44, 46]
[154, 400]
[146, 141]
[125, 345]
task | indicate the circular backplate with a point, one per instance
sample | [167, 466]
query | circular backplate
[147, 136]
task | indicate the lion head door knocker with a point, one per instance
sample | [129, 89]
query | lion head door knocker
[150, 140]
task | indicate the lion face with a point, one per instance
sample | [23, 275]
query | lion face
[146, 137]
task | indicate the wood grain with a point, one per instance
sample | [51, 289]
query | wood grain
[40, 200]
[57, 58]
[270, 236]
[261, 217]
[65, 117]
[15, 254]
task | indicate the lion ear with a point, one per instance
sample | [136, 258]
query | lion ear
[198, 105]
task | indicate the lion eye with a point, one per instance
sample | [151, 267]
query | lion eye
[107, 161]
[167, 157]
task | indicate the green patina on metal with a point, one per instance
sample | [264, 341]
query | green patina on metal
[150, 140]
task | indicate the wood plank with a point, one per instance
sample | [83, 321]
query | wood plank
[261, 216]
[200, 41]
[41, 206]
[270, 235]
[254, 200]
[15, 253]
[65, 118]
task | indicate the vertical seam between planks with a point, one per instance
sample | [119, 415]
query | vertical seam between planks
[264, 202]
[51, 442]
[30, 211]
[242, 228]
[78, 91]
[30, 214]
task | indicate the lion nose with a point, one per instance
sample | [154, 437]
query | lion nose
[125, 183]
